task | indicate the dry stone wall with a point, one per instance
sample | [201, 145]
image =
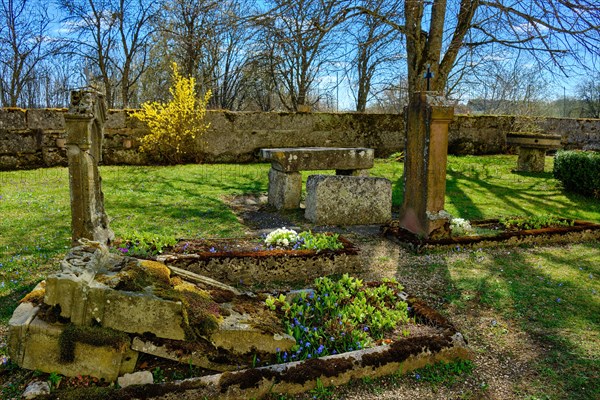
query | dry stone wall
[36, 137]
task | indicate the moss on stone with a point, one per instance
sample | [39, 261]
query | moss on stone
[36, 296]
[137, 275]
[90, 335]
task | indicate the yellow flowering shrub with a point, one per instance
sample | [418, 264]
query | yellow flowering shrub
[175, 126]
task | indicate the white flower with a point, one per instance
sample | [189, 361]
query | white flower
[281, 237]
[460, 227]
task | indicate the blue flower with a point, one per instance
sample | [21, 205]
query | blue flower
[366, 328]
[212, 250]
[307, 344]
[417, 376]
[320, 349]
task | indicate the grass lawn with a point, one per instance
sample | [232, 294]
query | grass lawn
[551, 294]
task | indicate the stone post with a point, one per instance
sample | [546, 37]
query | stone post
[427, 118]
[84, 123]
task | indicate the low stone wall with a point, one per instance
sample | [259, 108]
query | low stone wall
[36, 138]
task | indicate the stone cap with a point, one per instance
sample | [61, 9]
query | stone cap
[534, 140]
[291, 159]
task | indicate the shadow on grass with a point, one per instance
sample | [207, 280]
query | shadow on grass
[552, 295]
[471, 192]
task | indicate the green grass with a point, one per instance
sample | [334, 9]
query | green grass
[551, 293]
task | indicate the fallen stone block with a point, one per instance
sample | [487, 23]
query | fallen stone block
[35, 344]
[136, 378]
[348, 200]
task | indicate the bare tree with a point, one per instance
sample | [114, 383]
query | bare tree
[24, 44]
[376, 52]
[299, 36]
[589, 93]
[112, 37]
[134, 33]
[92, 26]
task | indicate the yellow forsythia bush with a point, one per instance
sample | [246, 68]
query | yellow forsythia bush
[175, 126]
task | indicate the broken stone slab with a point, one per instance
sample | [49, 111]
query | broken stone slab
[86, 301]
[290, 159]
[348, 200]
[196, 278]
[34, 344]
[238, 334]
[132, 312]
[199, 358]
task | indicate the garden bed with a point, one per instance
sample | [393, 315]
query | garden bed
[246, 261]
[491, 232]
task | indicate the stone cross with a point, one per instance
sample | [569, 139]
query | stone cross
[84, 122]
[427, 118]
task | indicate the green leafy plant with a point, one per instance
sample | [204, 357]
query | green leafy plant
[534, 222]
[143, 244]
[158, 375]
[54, 380]
[339, 316]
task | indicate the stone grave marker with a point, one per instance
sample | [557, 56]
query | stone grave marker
[84, 123]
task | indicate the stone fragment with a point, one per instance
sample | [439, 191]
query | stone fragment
[238, 334]
[136, 378]
[348, 200]
[36, 389]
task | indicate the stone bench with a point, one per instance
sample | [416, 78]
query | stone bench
[348, 200]
[285, 180]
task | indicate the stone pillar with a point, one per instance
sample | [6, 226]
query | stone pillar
[285, 189]
[427, 118]
[84, 123]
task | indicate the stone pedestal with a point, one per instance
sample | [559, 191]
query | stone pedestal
[84, 124]
[532, 149]
[427, 118]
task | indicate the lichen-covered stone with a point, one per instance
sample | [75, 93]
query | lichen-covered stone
[348, 200]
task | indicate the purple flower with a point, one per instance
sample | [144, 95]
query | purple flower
[123, 250]
[212, 250]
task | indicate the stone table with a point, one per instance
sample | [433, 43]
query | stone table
[285, 180]
[532, 149]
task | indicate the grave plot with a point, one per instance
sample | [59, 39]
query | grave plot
[102, 310]
[507, 232]
[248, 261]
